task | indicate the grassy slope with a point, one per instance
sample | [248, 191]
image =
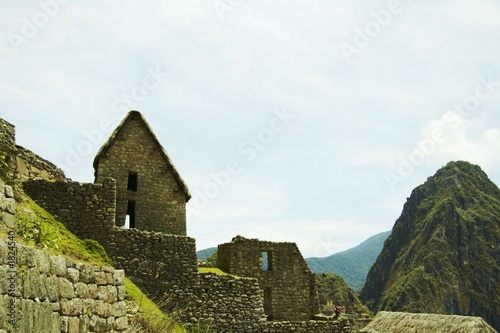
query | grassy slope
[333, 287]
[37, 228]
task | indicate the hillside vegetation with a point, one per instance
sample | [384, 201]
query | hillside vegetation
[443, 253]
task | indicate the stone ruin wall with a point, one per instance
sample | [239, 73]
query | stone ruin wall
[157, 263]
[87, 210]
[165, 266]
[46, 293]
[55, 294]
[287, 284]
[65, 295]
[18, 163]
[160, 203]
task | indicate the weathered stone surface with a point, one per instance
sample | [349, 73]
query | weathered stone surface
[58, 266]
[73, 275]
[285, 280]
[66, 288]
[9, 193]
[145, 175]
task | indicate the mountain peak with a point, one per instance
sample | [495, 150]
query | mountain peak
[443, 252]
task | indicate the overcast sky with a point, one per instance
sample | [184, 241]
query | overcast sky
[301, 121]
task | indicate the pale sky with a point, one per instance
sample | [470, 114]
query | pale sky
[300, 121]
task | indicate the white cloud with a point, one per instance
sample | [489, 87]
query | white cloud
[460, 139]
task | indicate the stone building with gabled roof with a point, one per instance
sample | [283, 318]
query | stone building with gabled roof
[150, 193]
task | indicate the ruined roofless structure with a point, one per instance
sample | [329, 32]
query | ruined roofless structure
[149, 190]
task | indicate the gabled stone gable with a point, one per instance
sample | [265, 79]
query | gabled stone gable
[148, 186]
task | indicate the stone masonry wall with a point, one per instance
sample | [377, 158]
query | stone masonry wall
[160, 202]
[157, 263]
[87, 210]
[330, 326]
[18, 163]
[230, 303]
[287, 284]
[50, 294]
[7, 207]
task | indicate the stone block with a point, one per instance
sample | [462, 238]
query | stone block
[3, 252]
[107, 293]
[74, 324]
[82, 290]
[64, 324]
[58, 266]
[119, 277]
[73, 274]
[10, 206]
[42, 261]
[9, 220]
[73, 307]
[53, 288]
[9, 193]
[42, 316]
[121, 293]
[86, 274]
[98, 324]
[102, 309]
[67, 289]
[121, 323]
[37, 282]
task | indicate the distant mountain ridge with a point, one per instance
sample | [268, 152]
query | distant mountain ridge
[353, 264]
[443, 255]
[205, 253]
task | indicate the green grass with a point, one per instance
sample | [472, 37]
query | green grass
[211, 270]
[36, 227]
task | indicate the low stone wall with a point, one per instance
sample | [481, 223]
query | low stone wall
[18, 163]
[87, 210]
[342, 326]
[230, 303]
[157, 263]
[31, 166]
[47, 293]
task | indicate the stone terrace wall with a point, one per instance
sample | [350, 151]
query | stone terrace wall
[230, 303]
[7, 207]
[53, 294]
[156, 262]
[342, 326]
[31, 166]
[19, 163]
[87, 210]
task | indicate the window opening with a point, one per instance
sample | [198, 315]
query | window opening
[130, 218]
[266, 261]
[268, 303]
[132, 181]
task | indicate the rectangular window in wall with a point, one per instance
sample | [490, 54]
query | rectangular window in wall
[132, 181]
[267, 261]
[130, 219]
[268, 303]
